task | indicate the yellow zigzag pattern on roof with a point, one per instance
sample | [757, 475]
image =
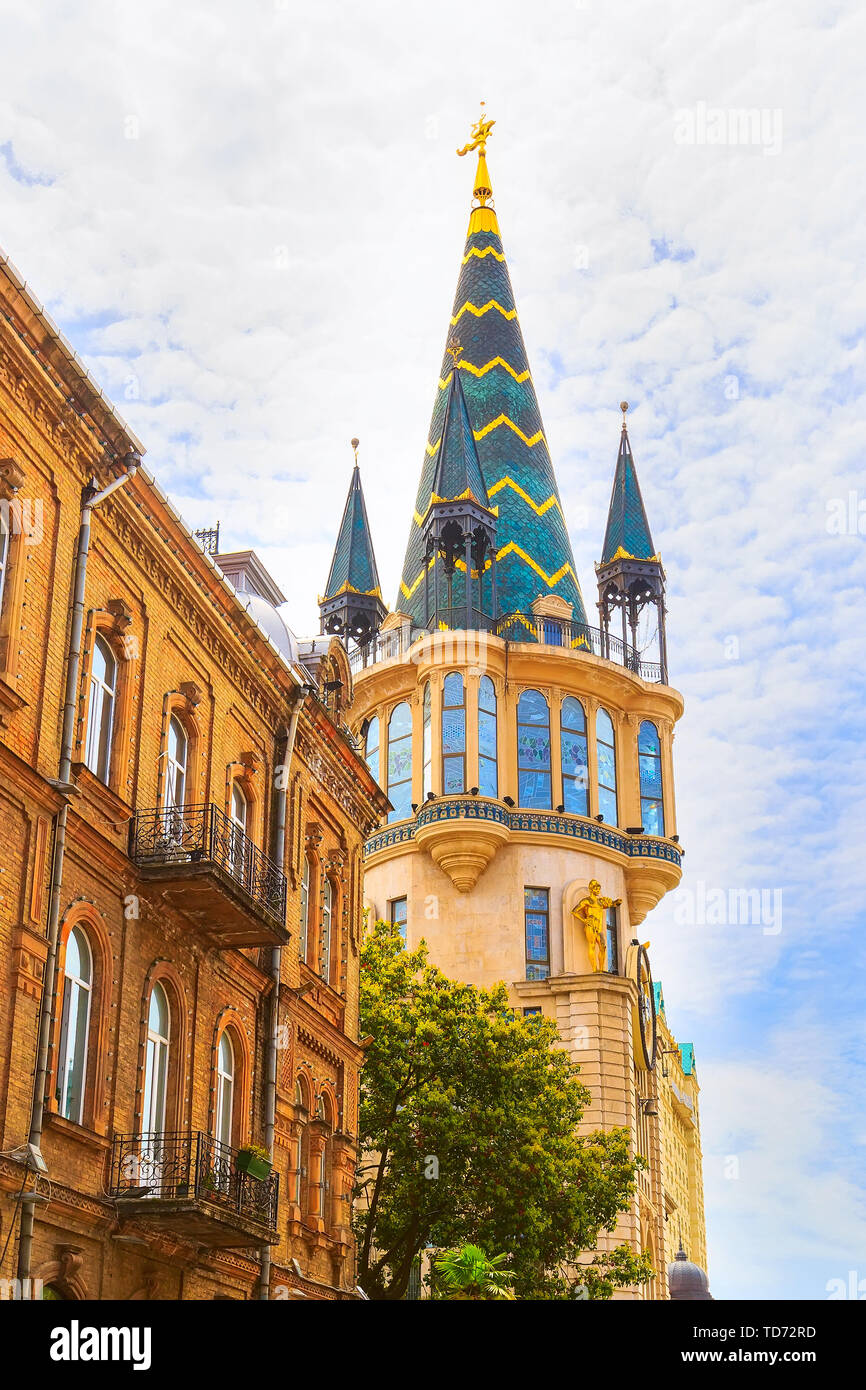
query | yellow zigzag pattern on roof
[479, 313]
[519, 377]
[552, 501]
[487, 251]
[528, 440]
[510, 549]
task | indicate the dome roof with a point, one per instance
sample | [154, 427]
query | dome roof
[687, 1280]
[271, 622]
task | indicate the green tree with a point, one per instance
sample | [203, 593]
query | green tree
[471, 1273]
[468, 1131]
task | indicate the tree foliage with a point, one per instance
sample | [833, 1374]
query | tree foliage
[468, 1132]
[470, 1273]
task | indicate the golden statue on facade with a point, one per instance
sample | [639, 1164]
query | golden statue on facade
[590, 911]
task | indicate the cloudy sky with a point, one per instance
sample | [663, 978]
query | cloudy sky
[249, 220]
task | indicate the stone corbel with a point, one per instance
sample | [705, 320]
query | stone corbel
[11, 478]
[252, 762]
[192, 693]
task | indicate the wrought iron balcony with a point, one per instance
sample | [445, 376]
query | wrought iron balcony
[212, 873]
[190, 1184]
[518, 627]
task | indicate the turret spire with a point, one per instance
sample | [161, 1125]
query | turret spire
[630, 576]
[352, 604]
[495, 386]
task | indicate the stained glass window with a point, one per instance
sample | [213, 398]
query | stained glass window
[428, 741]
[400, 762]
[575, 763]
[533, 751]
[488, 781]
[453, 734]
[606, 759]
[371, 747]
[649, 755]
[536, 912]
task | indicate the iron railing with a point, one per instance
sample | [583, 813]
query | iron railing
[177, 835]
[518, 627]
[189, 1165]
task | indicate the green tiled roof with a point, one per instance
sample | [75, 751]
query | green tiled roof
[354, 564]
[627, 525]
[534, 553]
[458, 470]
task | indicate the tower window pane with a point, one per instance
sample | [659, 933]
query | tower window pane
[575, 760]
[533, 751]
[488, 779]
[371, 747]
[536, 913]
[606, 758]
[453, 734]
[428, 741]
[400, 762]
[649, 753]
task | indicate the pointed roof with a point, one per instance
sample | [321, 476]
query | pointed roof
[458, 471]
[534, 553]
[354, 564]
[628, 533]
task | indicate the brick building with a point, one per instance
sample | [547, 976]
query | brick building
[206, 834]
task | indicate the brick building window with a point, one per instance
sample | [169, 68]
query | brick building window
[100, 709]
[74, 1026]
[327, 925]
[305, 910]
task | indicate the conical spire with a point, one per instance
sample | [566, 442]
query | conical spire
[352, 603]
[458, 470]
[533, 548]
[628, 533]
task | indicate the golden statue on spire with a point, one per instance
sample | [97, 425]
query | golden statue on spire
[480, 135]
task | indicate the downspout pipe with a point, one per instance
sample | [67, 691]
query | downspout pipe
[281, 793]
[91, 498]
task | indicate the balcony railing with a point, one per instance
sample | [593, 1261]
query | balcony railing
[519, 627]
[186, 1167]
[175, 836]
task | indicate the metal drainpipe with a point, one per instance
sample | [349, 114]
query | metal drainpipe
[90, 498]
[273, 1047]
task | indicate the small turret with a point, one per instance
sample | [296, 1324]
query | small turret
[459, 529]
[352, 605]
[630, 576]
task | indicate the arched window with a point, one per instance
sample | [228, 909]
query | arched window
[533, 751]
[400, 762]
[575, 763]
[176, 757]
[453, 734]
[305, 910]
[225, 1091]
[606, 760]
[156, 1062]
[100, 710]
[74, 1026]
[327, 914]
[428, 741]
[649, 753]
[371, 746]
[488, 780]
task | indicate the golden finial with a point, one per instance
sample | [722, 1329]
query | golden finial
[355, 443]
[623, 405]
[454, 350]
[480, 135]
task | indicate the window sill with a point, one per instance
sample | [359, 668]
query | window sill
[81, 1133]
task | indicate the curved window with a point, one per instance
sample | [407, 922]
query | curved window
[75, 1022]
[606, 760]
[305, 910]
[400, 762]
[175, 763]
[575, 763]
[371, 746]
[649, 756]
[225, 1096]
[100, 711]
[156, 1062]
[533, 751]
[488, 780]
[327, 914]
[428, 741]
[453, 734]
